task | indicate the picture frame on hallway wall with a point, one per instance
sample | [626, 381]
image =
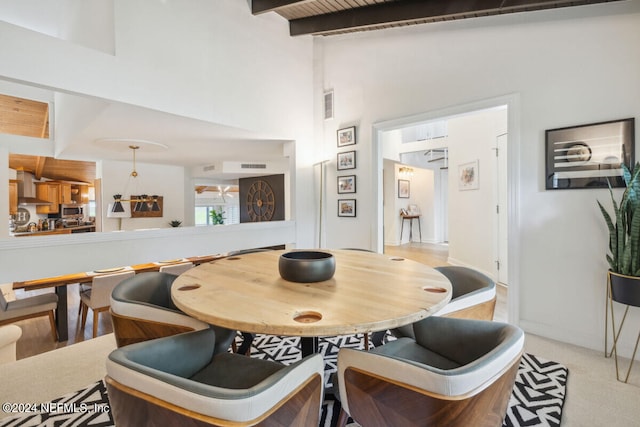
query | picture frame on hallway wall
[346, 184]
[404, 188]
[347, 207]
[346, 136]
[468, 174]
[346, 160]
[589, 156]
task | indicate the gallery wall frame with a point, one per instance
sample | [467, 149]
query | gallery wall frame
[346, 136]
[468, 176]
[346, 184]
[346, 160]
[589, 155]
[404, 188]
[347, 208]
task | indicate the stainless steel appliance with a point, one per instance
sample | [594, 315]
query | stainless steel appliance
[71, 211]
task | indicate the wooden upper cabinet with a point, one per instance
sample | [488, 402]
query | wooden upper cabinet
[51, 192]
[13, 197]
[65, 193]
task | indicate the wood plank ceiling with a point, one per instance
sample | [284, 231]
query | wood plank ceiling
[329, 17]
[24, 117]
[56, 169]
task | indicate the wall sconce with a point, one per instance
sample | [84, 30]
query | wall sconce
[406, 171]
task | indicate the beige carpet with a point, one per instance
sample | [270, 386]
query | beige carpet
[55, 373]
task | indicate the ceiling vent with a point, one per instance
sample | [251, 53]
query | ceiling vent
[253, 166]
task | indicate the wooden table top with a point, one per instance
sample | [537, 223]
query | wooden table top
[369, 292]
[83, 277]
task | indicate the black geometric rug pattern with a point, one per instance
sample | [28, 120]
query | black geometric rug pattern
[537, 398]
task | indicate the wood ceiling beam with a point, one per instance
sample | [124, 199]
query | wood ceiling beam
[263, 6]
[39, 169]
[407, 11]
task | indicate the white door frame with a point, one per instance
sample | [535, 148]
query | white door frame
[513, 180]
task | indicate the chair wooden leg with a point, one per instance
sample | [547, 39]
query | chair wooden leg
[85, 309]
[342, 418]
[95, 323]
[52, 322]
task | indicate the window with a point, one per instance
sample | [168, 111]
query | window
[231, 214]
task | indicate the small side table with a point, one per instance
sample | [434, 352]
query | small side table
[410, 218]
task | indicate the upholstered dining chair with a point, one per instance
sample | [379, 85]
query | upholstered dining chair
[176, 269]
[98, 296]
[473, 296]
[9, 335]
[142, 309]
[14, 309]
[180, 380]
[457, 372]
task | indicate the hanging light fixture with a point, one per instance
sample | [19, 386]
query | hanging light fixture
[142, 202]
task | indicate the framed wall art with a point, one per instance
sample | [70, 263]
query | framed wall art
[347, 207]
[404, 188]
[589, 156]
[468, 176]
[346, 184]
[347, 160]
[347, 136]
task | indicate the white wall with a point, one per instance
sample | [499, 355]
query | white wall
[163, 180]
[211, 61]
[472, 212]
[566, 66]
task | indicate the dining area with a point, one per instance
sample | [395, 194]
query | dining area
[309, 296]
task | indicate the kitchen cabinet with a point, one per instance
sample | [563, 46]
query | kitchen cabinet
[80, 193]
[65, 193]
[49, 191]
[13, 197]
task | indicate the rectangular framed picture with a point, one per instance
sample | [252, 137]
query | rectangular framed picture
[346, 184]
[328, 105]
[404, 188]
[347, 207]
[346, 160]
[468, 176]
[347, 136]
[589, 156]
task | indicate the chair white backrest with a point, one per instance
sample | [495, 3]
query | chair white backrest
[176, 269]
[102, 286]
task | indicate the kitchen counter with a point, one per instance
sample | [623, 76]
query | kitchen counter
[65, 230]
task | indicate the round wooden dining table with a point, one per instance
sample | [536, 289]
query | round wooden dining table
[368, 292]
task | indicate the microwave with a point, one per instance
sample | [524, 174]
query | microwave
[71, 210]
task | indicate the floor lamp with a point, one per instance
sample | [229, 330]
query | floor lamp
[320, 204]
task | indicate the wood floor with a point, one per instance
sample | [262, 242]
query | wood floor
[36, 335]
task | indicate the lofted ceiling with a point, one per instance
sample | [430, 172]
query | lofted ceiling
[328, 17]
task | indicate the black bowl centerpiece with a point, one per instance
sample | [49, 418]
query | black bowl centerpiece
[307, 266]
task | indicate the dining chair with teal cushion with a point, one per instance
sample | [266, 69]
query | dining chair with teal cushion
[180, 380]
[457, 372]
[473, 296]
[142, 309]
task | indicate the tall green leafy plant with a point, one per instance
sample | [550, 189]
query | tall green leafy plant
[624, 226]
[217, 216]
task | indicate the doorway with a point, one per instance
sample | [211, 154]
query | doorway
[512, 103]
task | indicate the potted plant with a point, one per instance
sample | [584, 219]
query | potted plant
[175, 223]
[217, 216]
[624, 239]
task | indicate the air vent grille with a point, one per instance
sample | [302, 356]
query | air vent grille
[253, 166]
[209, 168]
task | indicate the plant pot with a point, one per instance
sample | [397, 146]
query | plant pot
[625, 289]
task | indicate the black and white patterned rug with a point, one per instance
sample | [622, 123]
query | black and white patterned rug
[537, 398]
